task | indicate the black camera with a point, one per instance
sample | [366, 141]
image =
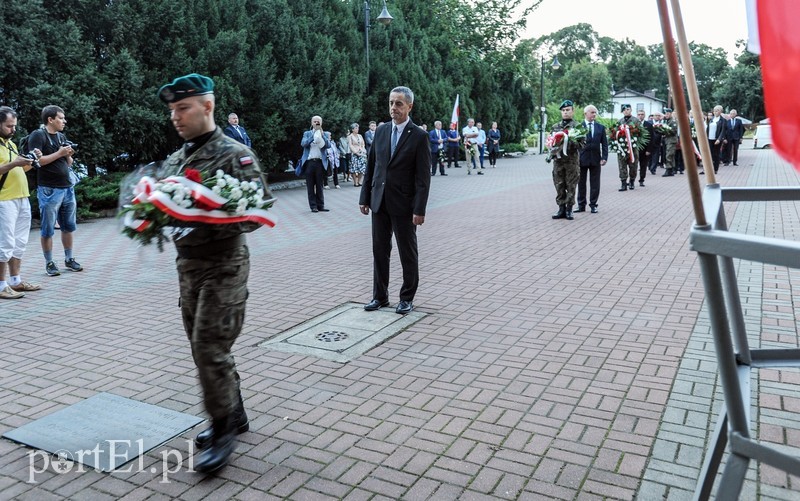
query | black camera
[70, 144]
[32, 156]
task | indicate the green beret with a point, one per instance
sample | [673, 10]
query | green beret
[626, 107]
[186, 86]
[565, 103]
[667, 110]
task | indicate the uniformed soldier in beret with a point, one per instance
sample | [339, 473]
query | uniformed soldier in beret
[566, 168]
[670, 143]
[213, 265]
[627, 168]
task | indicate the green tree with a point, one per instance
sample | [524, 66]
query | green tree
[634, 70]
[741, 87]
[586, 83]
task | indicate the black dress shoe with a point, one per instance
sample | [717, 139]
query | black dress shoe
[641, 183]
[404, 307]
[594, 210]
[580, 208]
[375, 305]
[314, 210]
[443, 174]
[324, 210]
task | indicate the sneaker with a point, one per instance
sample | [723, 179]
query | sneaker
[25, 287]
[73, 265]
[51, 269]
[9, 293]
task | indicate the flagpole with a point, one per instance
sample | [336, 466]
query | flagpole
[683, 118]
[694, 95]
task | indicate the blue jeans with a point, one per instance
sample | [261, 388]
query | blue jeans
[56, 203]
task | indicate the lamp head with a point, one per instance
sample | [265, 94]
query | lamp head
[385, 18]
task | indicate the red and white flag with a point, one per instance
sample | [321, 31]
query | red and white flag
[779, 42]
[454, 117]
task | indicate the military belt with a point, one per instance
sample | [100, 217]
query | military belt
[211, 248]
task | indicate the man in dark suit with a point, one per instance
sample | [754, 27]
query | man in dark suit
[733, 137]
[593, 156]
[236, 131]
[396, 188]
[654, 149]
[438, 139]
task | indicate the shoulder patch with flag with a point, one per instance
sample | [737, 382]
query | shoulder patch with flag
[245, 160]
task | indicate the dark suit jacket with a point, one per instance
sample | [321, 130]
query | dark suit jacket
[735, 130]
[244, 138]
[435, 135]
[596, 148]
[722, 125]
[398, 184]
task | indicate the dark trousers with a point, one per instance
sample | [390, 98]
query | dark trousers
[655, 158]
[452, 156]
[331, 170]
[732, 151]
[644, 163]
[593, 173]
[714, 153]
[436, 159]
[405, 233]
[315, 175]
[213, 293]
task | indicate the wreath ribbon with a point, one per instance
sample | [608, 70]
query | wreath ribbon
[145, 192]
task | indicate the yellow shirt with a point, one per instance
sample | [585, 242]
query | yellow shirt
[16, 185]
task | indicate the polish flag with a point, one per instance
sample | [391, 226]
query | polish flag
[454, 117]
[779, 44]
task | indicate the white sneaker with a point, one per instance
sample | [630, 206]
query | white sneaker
[9, 293]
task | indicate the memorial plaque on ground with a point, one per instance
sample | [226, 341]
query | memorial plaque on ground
[104, 431]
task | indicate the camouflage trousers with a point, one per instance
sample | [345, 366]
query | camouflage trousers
[213, 296]
[566, 174]
[627, 169]
[670, 156]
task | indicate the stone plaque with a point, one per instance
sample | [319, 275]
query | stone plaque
[104, 431]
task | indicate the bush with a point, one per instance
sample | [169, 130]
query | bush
[514, 148]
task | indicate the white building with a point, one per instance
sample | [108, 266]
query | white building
[638, 101]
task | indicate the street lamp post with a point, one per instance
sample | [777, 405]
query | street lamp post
[384, 18]
[556, 65]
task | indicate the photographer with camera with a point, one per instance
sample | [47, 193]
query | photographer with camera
[15, 208]
[55, 191]
[315, 163]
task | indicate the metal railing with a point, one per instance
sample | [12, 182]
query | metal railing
[717, 248]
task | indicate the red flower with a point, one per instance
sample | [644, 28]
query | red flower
[193, 175]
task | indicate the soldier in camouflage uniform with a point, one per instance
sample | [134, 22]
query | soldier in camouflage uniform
[670, 142]
[213, 265]
[627, 169]
[566, 168]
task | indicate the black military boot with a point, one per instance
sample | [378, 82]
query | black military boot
[223, 443]
[630, 184]
[568, 215]
[624, 186]
[562, 212]
[240, 423]
[668, 173]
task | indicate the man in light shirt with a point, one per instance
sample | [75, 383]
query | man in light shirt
[716, 130]
[315, 163]
[470, 134]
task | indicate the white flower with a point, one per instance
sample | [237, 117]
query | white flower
[253, 185]
[239, 211]
[186, 203]
[216, 189]
[221, 183]
[236, 194]
[177, 197]
[245, 186]
[167, 187]
[260, 192]
[219, 174]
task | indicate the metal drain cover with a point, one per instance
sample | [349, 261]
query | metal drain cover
[331, 336]
[343, 333]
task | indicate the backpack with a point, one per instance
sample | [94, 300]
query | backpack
[23, 143]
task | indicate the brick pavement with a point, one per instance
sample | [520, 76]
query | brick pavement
[546, 368]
